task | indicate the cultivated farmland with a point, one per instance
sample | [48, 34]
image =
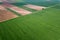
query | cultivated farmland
[5, 14]
[35, 7]
[37, 25]
[42, 25]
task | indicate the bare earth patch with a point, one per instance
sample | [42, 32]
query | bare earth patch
[19, 10]
[35, 7]
[6, 15]
[2, 8]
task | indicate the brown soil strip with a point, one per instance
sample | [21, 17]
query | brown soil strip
[6, 15]
[35, 7]
[19, 10]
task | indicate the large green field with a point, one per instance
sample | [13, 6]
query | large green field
[40, 25]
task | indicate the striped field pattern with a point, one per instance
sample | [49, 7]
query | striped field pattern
[41, 25]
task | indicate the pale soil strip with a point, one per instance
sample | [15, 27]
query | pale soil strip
[2, 8]
[6, 15]
[34, 7]
[19, 10]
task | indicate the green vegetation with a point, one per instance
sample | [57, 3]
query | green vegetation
[19, 4]
[42, 2]
[42, 25]
[38, 2]
[57, 7]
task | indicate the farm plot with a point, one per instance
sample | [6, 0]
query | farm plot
[19, 10]
[6, 15]
[35, 7]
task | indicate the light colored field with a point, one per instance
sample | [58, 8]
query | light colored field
[6, 15]
[2, 8]
[19, 10]
[35, 7]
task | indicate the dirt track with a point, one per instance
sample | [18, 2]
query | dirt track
[34, 7]
[6, 15]
[19, 10]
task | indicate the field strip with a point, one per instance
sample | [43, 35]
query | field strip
[19, 10]
[2, 8]
[5, 14]
[34, 7]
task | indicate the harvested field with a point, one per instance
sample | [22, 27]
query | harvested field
[6, 15]
[19, 10]
[2, 8]
[35, 7]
